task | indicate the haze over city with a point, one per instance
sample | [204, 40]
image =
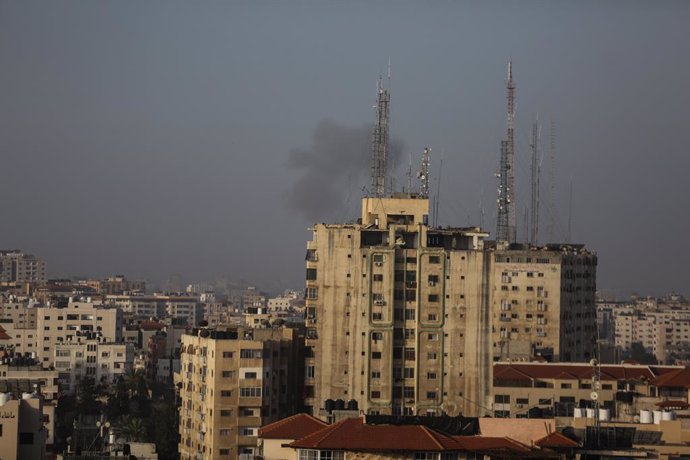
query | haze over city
[152, 138]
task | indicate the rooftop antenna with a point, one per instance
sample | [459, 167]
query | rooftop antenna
[570, 213]
[379, 150]
[536, 172]
[505, 225]
[552, 179]
[409, 177]
[438, 192]
[481, 210]
[423, 174]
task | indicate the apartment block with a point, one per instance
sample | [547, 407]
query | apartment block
[21, 422]
[92, 357]
[72, 323]
[231, 383]
[18, 267]
[407, 319]
[117, 284]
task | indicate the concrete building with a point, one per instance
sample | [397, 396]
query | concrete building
[78, 320]
[183, 308]
[21, 313]
[408, 319]
[231, 383]
[117, 284]
[18, 267]
[93, 357]
[21, 421]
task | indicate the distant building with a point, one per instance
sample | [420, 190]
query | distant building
[117, 285]
[95, 358]
[232, 382]
[18, 267]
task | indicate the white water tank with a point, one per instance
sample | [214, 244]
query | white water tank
[578, 412]
[666, 416]
[4, 397]
[27, 395]
[590, 413]
[657, 417]
[605, 415]
[646, 416]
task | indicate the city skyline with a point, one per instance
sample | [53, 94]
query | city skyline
[171, 140]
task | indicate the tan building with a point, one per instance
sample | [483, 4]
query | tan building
[407, 319]
[21, 422]
[79, 319]
[117, 284]
[231, 383]
[18, 267]
[21, 313]
[91, 357]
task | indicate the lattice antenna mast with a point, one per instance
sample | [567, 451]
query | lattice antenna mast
[423, 174]
[379, 151]
[552, 179]
[506, 225]
[536, 173]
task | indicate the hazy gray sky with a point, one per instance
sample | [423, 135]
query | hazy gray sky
[151, 138]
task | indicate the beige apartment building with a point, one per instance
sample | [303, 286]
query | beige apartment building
[231, 383]
[18, 267]
[91, 357]
[407, 319]
[23, 433]
[78, 320]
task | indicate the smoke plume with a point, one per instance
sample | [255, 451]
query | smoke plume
[337, 166]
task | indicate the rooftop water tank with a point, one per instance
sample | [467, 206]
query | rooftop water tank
[604, 415]
[4, 397]
[657, 417]
[646, 417]
[578, 412]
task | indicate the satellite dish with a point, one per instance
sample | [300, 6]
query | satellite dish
[594, 396]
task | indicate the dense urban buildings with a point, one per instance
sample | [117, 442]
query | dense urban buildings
[18, 267]
[405, 318]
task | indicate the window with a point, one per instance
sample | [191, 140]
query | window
[312, 293]
[409, 372]
[223, 451]
[432, 317]
[375, 394]
[409, 354]
[425, 456]
[309, 372]
[522, 401]
[431, 376]
[430, 395]
[408, 392]
[566, 385]
[224, 432]
[409, 314]
[434, 259]
[377, 336]
[409, 334]
[378, 278]
[225, 413]
[376, 355]
[432, 336]
[250, 392]
[433, 297]
[251, 354]
[228, 374]
[375, 374]
[311, 274]
[431, 355]
[226, 393]
[502, 399]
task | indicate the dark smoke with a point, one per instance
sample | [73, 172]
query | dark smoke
[337, 166]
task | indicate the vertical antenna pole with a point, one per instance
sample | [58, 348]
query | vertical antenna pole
[379, 151]
[506, 224]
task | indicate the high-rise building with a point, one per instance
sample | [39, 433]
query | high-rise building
[233, 382]
[405, 318]
[18, 267]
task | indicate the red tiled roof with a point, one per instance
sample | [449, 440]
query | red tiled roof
[678, 378]
[354, 435]
[295, 427]
[556, 440]
[673, 404]
[3, 334]
[147, 325]
[558, 371]
[487, 443]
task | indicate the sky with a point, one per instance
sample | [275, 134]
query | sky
[204, 138]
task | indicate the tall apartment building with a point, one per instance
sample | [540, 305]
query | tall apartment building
[408, 319]
[231, 383]
[77, 320]
[18, 267]
[116, 285]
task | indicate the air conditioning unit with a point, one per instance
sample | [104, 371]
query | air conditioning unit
[379, 302]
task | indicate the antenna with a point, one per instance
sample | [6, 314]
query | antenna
[525, 224]
[570, 213]
[438, 192]
[423, 174]
[536, 172]
[379, 150]
[505, 225]
[409, 177]
[552, 179]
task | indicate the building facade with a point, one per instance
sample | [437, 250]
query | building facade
[231, 383]
[407, 319]
[18, 267]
